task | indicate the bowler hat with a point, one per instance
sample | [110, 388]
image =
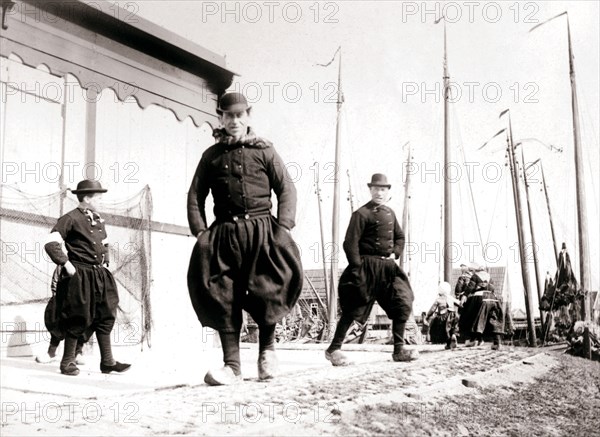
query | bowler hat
[379, 180]
[89, 186]
[232, 102]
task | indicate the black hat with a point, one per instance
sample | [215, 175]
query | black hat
[232, 102]
[89, 186]
[379, 180]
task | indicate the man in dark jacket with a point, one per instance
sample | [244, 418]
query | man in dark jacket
[86, 301]
[247, 259]
[373, 240]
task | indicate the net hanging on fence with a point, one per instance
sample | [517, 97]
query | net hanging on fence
[25, 222]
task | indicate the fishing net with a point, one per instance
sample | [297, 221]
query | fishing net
[25, 222]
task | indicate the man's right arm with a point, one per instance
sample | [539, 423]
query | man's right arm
[196, 200]
[353, 234]
[54, 244]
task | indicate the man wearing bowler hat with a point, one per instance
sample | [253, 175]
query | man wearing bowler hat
[246, 259]
[87, 297]
[374, 240]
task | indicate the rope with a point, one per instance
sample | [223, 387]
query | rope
[464, 160]
[498, 192]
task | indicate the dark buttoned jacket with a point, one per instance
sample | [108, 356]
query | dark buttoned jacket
[241, 177]
[84, 237]
[373, 230]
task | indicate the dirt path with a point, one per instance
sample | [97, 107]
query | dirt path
[380, 397]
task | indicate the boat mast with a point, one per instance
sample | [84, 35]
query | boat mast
[332, 300]
[350, 196]
[554, 245]
[404, 263]
[534, 246]
[584, 251]
[318, 191]
[520, 233]
[447, 186]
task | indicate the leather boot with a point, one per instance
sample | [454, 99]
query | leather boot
[67, 364]
[267, 360]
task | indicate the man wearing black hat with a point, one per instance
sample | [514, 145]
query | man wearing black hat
[86, 300]
[373, 240]
[246, 259]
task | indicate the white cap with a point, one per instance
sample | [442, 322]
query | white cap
[444, 288]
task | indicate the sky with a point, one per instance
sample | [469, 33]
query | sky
[392, 56]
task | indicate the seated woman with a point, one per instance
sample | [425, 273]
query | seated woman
[443, 318]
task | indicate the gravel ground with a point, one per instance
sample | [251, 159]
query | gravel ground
[442, 393]
[564, 401]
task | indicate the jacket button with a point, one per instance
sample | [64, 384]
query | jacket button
[226, 166]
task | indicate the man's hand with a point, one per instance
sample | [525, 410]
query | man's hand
[70, 268]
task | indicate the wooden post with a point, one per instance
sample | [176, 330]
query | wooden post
[61, 181]
[90, 133]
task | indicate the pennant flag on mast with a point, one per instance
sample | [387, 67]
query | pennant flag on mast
[487, 142]
[340, 93]
[332, 59]
[549, 19]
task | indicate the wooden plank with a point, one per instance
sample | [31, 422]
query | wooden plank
[90, 134]
[111, 219]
